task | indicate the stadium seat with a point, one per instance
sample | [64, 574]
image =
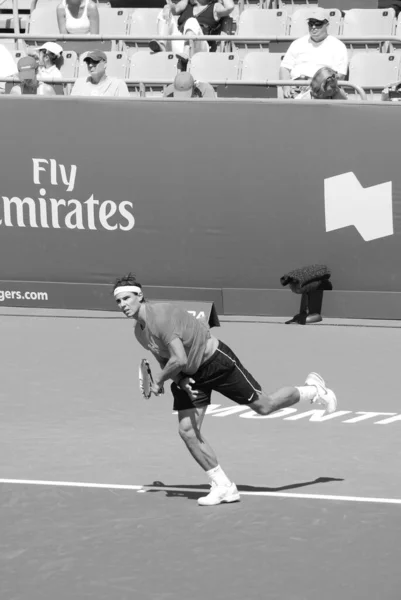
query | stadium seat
[43, 19]
[70, 64]
[374, 71]
[267, 23]
[143, 21]
[155, 67]
[369, 21]
[17, 54]
[291, 6]
[211, 67]
[261, 66]
[117, 65]
[365, 22]
[113, 21]
[299, 26]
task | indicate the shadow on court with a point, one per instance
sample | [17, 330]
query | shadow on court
[185, 491]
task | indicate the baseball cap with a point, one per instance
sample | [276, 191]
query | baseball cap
[96, 56]
[52, 47]
[317, 14]
[27, 67]
[183, 85]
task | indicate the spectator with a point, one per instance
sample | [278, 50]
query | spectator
[190, 18]
[392, 93]
[98, 83]
[308, 54]
[50, 60]
[8, 68]
[28, 68]
[396, 4]
[184, 86]
[78, 16]
[324, 86]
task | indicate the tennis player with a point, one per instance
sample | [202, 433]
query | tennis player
[199, 363]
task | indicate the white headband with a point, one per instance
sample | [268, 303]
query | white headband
[127, 288]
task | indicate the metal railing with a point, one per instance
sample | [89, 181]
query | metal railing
[215, 83]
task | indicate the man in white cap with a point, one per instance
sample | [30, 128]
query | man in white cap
[184, 86]
[309, 53]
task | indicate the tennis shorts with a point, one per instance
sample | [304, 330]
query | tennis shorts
[224, 373]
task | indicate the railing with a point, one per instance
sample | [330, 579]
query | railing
[210, 38]
[223, 82]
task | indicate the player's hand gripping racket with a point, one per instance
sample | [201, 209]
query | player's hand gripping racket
[146, 379]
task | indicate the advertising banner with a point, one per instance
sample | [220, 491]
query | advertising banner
[199, 194]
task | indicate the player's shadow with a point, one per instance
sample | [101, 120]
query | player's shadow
[191, 492]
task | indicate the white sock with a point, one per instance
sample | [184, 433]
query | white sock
[217, 476]
[307, 392]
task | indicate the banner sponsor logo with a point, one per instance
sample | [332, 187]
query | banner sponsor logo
[44, 211]
[369, 210]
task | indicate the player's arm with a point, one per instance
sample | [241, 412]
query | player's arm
[177, 362]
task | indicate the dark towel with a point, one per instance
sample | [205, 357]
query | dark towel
[307, 279]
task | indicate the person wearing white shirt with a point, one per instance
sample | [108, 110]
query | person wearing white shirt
[8, 68]
[308, 54]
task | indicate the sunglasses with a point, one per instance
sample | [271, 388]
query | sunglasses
[93, 62]
[316, 24]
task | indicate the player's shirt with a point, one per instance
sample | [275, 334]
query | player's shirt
[164, 323]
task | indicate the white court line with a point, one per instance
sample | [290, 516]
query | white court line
[145, 488]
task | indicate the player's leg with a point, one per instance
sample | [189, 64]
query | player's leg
[189, 428]
[190, 419]
[314, 390]
[239, 385]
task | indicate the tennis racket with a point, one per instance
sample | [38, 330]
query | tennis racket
[146, 379]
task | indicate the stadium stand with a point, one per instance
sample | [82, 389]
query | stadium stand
[234, 60]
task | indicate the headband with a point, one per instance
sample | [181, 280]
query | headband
[134, 289]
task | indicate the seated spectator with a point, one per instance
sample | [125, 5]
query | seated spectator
[8, 68]
[396, 4]
[98, 83]
[190, 18]
[50, 59]
[78, 16]
[308, 54]
[324, 86]
[184, 86]
[392, 93]
[28, 68]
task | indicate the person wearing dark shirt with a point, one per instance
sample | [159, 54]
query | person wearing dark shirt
[190, 18]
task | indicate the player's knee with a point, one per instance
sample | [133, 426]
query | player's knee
[263, 405]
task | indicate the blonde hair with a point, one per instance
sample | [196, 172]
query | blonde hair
[319, 82]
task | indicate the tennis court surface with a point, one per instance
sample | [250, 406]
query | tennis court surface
[98, 493]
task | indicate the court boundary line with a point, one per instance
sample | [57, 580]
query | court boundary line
[146, 488]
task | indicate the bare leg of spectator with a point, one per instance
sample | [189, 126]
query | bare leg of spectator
[167, 25]
[193, 29]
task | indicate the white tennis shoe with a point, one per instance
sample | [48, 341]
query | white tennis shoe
[220, 494]
[325, 395]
